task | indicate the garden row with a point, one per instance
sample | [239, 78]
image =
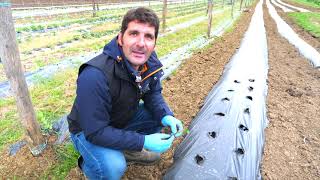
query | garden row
[52, 47]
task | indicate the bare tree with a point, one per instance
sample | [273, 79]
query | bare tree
[9, 54]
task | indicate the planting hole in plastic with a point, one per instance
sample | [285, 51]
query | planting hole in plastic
[236, 81]
[240, 151]
[212, 134]
[220, 114]
[244, 128]
[250, 88]
[251, 80]
[247, 110]
[199, 159]
[249, 97]
[225, 99]
[233, 178]
[230, 90]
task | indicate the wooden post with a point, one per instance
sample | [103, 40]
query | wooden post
[9, 54]
[209, 17]
[246, 4]
[232, 7]
[241, 4]
[164, 14]
[94, 8]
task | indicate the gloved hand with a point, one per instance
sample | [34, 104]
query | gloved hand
[158, 142]
[175, 125]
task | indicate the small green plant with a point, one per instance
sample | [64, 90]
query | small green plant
[76, 37]
[69, 41]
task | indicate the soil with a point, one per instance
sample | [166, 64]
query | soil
[292, 147]
[24, 165]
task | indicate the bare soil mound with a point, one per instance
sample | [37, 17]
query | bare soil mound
[292, 147]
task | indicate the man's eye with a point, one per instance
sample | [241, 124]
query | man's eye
[134, 34]
[150, 37]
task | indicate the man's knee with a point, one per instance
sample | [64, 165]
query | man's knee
[112, 166]
[115, 167]
[108, 165]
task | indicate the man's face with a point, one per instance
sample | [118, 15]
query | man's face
[137, 42]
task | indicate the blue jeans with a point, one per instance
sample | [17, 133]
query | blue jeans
[106, 163]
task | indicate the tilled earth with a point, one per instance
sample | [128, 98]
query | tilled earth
[292, 147]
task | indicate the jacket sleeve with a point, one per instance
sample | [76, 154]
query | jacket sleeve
[94, 107]
[153, 99]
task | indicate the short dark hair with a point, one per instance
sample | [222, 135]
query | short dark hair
[143, 15]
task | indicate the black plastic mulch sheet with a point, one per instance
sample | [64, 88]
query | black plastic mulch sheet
[227, 136]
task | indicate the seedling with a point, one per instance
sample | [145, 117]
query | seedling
[168, 131]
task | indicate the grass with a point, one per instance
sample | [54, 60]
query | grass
[308, 21]
[102, 16]
[178, 39]
[50, 40]
[67, 159]
[51, 98]
[10, 129]
[311, 3]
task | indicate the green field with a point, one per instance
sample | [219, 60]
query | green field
[308, 21]
[311, 3]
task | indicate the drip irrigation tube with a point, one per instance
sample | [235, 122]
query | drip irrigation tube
[227, 136]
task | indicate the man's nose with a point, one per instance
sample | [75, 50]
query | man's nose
[141, 41]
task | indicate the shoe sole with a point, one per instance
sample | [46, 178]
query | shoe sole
[143, 163]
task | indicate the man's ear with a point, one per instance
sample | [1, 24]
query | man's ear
[120, 39]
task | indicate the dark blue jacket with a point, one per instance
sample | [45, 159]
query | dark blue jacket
[108, 98]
